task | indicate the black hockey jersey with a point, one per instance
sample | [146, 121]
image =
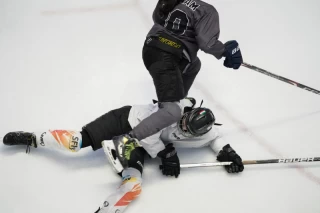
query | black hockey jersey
[193, 22]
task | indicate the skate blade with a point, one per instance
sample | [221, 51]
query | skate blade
[108, 148]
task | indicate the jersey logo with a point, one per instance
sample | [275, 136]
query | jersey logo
[177, 22]
[149, 40]
[191, 4]
[106, 204]
[169, 42]
[174, 135]
[41, 139]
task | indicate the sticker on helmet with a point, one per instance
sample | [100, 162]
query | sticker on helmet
[202, 112]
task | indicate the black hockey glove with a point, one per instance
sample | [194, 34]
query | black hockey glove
[170, 161]
[233, 55]
[227, 154]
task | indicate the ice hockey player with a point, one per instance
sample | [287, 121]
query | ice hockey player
[181, 28]
[195, 129]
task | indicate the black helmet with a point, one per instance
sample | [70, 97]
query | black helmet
[197, 122]
[166, 6]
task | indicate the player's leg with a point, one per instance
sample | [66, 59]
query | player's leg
[130, 187]
[165, 72]
[109, 125]
[167, 77]
[105, 127]
[51, 139]
[190, 74]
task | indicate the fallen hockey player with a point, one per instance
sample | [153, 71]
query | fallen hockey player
[126, 155]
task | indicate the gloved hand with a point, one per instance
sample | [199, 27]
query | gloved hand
[170, 161]
[227, 154]
[233, 55]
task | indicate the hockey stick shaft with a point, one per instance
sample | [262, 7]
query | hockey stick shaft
[252, 162]
[294, 83]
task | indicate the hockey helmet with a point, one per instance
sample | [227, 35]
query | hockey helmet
[196, 122]
[167, 6]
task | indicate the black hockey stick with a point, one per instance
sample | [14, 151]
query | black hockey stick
[294, 83]
[252, 162]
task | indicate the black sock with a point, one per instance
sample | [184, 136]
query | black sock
[86, 140]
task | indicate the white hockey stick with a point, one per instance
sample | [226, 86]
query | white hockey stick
[251, 162]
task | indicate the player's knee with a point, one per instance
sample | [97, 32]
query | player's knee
[194, 68]
[173, 110]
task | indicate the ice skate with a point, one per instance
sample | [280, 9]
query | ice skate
[20, 138]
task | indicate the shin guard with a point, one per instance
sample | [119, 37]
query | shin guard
[129, 190]
[60, 139]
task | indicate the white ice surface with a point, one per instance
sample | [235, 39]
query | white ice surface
[65, 62]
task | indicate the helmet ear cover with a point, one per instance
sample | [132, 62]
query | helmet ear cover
[187, 109]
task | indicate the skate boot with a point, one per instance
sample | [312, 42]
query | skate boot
[20, 138]
[119, 150]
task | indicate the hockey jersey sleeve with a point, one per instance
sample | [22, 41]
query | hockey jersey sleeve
[207, 28]
[218, 143]
[153, 144]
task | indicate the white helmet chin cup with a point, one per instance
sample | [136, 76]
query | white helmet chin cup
[110, 151]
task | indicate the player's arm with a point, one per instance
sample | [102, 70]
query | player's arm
[207, 28]
[225, 153]
[217, 144]
[153, 145]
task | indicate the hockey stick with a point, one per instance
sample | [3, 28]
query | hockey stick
[251, 162]
[294, 83]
